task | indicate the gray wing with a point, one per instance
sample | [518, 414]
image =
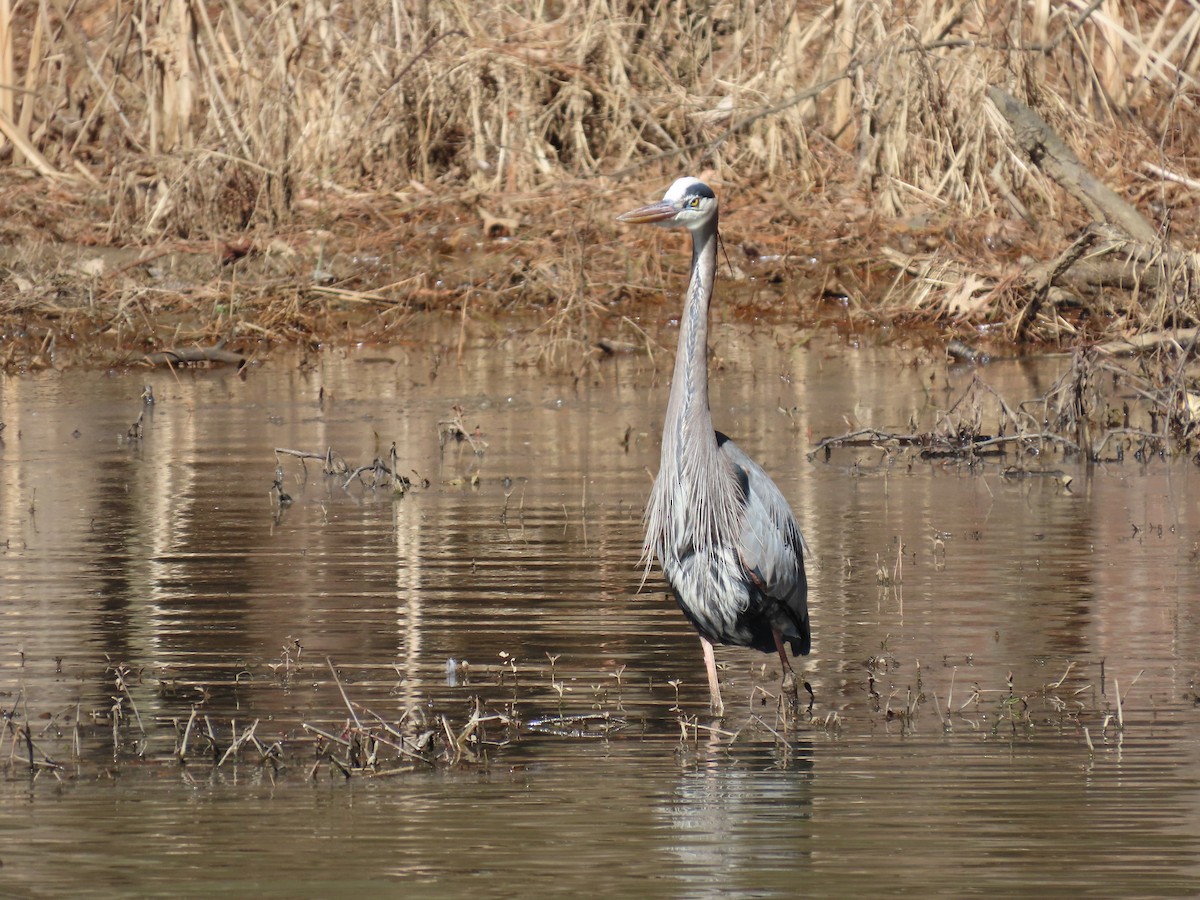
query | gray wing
[771, 547]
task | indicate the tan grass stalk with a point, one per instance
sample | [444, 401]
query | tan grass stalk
[32, 67]
[203, 119]
[13, 132]
[8, 80]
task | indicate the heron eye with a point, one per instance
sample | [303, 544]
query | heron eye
[695, 203]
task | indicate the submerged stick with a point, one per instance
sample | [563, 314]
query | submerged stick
[1120, 706]
[1057, 684]
[187, 733]
[236, 746]
[123, 687]
[342, 691]
[320, 732]
[184, 355]
[1150, 340]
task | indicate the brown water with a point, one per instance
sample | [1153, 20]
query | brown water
[922, 772]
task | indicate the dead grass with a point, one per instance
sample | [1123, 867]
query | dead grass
[1103, 408]
[300, 718]
[861, 134]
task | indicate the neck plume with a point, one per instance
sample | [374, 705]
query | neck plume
[689, 418]
[694, 505]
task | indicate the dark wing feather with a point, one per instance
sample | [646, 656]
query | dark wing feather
[771, 548]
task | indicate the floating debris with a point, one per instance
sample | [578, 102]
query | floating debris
[582, 726]
[959, 350]
[191, 356]
[1097, 409]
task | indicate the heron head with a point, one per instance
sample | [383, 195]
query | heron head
[688, 203]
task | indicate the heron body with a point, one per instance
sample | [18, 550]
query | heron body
[720, 528]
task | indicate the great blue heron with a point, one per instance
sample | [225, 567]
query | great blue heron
[722, 531]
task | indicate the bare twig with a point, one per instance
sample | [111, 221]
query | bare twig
[342, 691]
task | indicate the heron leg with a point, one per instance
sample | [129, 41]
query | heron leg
[789, 674]
[710, 663]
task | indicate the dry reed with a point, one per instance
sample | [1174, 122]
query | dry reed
[861, 126]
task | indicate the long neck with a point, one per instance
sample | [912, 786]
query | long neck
[689, 420]
[693, 507]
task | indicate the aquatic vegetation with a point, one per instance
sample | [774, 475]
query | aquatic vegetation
[1100, 409]
[196, 727]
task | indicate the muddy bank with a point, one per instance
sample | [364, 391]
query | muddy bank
[553, 267]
